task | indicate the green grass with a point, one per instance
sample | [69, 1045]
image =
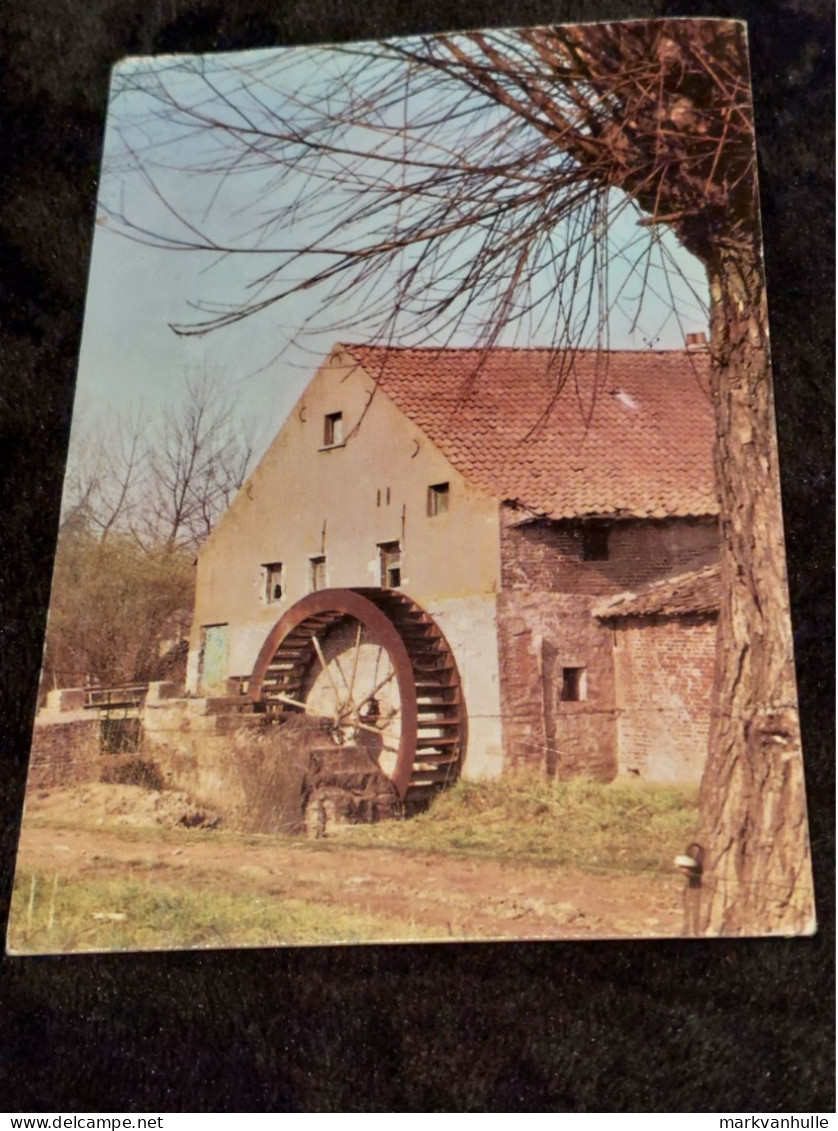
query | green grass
[607, 829]
[580, 824]
[82, 914]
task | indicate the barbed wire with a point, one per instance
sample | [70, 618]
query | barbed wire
[533, 717]
[255, 728]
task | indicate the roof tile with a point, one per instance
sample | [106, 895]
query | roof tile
[565, 435]
[698, 591]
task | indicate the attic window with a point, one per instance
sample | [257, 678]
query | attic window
[595, 543]
[438, 496]
[573, 685]
[390, 560]
[332, 429]
[274, 580]
[317, 573]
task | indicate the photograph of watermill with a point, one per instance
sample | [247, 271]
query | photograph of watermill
[421, 571]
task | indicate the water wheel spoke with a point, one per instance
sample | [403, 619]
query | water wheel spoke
[337, 664]
[378, 661]
[379, 686]
[293, 702]
[355, 658]
[318, 649]
[368, 728]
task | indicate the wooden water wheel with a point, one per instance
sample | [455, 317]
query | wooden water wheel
[378, 671]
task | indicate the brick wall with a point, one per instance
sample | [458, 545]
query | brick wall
[545, 625]
[664, 679]
[64, 753]
[548, 555]
[538, 635]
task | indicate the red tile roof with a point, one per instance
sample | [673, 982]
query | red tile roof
[698, 591]
[630, 433]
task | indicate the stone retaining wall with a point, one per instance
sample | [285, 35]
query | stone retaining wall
[257, 776]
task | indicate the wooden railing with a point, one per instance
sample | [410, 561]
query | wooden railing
[119, 697]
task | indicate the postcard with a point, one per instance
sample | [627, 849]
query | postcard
[421, 571]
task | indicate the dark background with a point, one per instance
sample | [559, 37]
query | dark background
[647, 1026]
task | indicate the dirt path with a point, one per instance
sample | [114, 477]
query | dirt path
[453, 897]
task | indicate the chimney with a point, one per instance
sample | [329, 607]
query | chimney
[697, 341]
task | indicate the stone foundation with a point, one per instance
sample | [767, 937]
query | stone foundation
[258, 776]
[344, 786]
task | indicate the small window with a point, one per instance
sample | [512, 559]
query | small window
[317, 577]
[438, 496]
[573, 684]
[390, 559]
[595, 543]
[274, 581]
[333, 430]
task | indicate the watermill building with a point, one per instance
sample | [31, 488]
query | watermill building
[475, 561]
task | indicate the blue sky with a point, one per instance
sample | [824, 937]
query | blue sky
[162, 176]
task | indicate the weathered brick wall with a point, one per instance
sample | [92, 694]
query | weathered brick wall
[548, 556]
[64, 753]
[545, 624]
[538, 635]
[664, 680]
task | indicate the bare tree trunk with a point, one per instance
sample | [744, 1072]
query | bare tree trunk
[757, 871]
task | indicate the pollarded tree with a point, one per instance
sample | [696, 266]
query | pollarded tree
[480, 174]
